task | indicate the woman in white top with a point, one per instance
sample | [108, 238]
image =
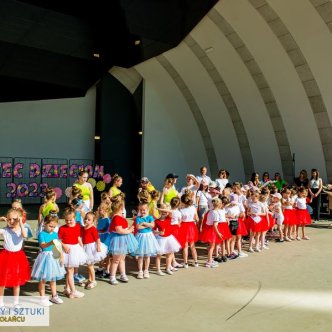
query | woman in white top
[222, 179]
[315, 189]
[203, 175]
[192, 185]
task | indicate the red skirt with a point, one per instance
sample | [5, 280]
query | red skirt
[224, 230]
[242, 229]
[14, 268]
[189, 231]
[177, 233]
[303, 217]
[271, 221]
[210, 235]
[257, 227]
[247, 223]
[290, 217]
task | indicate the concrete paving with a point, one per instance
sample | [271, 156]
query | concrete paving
[286, 288]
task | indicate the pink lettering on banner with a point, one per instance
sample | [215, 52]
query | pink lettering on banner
[6, 170]
[22, 190]
[89, 169]
[63, 171]
[99, 171]
[34, 170]
[17, 170]
[73, 171]
[45, 169]
[50, 171]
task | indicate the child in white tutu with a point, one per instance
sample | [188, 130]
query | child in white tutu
[46, 267]
[121, 241]
[147, 243]
[95, 250]
[74, 255]
[167, 242]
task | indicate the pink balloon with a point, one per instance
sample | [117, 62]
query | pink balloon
[58, 192]
[107, 178]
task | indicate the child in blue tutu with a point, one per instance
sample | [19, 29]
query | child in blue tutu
[147, 243]
[121, 241]
[103, 226]
[46, 267]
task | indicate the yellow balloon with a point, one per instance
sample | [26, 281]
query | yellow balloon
[92, 181]
[100, 186]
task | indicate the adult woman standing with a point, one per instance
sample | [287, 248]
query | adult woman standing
[315, 189]
[86, 188]
[168, 192]
[254, 180]
[302, 180]
[222, 179]
[279, 182]
[203, 176]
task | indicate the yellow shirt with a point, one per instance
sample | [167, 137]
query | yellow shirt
[152, 209]
[85, 191]
[48, 207]
[171, 193]
[115, 191]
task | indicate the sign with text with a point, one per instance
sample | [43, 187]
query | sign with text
[29, 178]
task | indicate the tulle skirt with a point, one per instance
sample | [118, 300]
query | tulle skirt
[303, 217]
[256, 227]
[271, 220]
[189, 232]
[14, 268]
[103, 237]
[168, 244]
[93, 256]
[242, 229]
[121, 244]
[224, 230]
[210, 235]
[47, 268]
[75, 257]
[266, 223]
[28, 230]
[290, 217]
[147, 245]
[177, 233]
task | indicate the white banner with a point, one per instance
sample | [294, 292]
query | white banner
[24, 311]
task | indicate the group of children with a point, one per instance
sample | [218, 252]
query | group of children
[159, 230]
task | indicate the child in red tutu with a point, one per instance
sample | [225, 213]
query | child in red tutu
[15, 269]
[302, 214]
[256, 221]
[210, 231]
[176, 226]
[74, 255]
[167, 242]
[189, 229]
[290, 219]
